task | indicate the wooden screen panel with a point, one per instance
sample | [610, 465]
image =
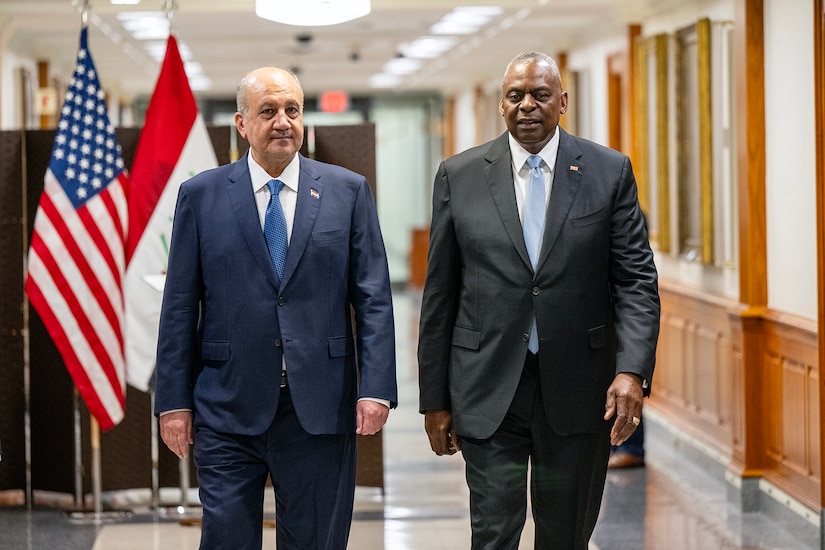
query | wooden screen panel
[12, 404]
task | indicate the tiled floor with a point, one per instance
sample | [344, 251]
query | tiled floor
[673, 504]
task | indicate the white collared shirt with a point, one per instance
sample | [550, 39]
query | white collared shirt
[521, 170]
[288, 195]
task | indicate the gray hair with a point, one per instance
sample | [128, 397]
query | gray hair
[240, 90]
[533, 56]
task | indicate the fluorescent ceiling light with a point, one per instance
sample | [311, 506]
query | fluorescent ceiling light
[145, 25]
[402, 66]
[157, 50]
[311, 13]
[383, 80]
[466, 19]
[428, 47]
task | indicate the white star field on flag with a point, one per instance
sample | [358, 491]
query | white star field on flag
[86, 155]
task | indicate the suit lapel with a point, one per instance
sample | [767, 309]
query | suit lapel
[242, 202]
[310, 195]
[566, 180]
[499, 173]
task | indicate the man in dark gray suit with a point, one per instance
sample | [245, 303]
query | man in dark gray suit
[538, 325]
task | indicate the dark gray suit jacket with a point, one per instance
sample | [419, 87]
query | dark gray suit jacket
[594, 293]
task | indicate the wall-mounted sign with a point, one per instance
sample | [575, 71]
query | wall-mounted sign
[334, 102]
[45, 102]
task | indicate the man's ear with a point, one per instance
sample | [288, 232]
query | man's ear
[240, 125]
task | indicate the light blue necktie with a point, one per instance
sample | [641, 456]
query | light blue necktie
[535, 207]
[275, 228]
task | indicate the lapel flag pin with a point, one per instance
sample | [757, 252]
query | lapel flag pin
[314, 194]
[574, 168]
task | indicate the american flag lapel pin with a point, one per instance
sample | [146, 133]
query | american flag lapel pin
[314, 193]
[574, 168]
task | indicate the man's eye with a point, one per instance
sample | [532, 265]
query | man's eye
[543, 97]
[514, 97]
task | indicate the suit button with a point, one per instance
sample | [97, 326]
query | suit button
[525, 337]
[536, 291]
[281, 300]
[277, 342]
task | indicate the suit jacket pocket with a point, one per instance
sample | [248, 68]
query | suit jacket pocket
[340, 346]
[215, 353]
[322, 237]
[597, 336]
[466, 338]
[588, 219]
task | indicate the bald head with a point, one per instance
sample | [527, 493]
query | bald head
[262, 76]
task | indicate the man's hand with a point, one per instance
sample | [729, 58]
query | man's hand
[176, 432]
[370, 417]
[439, 426]
[624, 399]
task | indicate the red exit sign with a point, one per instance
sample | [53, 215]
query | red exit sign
[334, 102]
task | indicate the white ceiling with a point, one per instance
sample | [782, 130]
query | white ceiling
[227, 39]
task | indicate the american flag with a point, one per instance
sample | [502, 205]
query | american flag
[76, 259]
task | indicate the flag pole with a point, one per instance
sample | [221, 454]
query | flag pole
[155, 451]
[94, 428]
[78, 453]
[27, 419]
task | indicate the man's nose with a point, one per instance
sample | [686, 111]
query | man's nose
[527, 103]
[280, 120]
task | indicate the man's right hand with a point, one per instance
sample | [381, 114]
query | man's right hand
[439, 426]
[176, 431]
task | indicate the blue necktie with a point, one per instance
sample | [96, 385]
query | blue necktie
[275, 228]
[535, 207]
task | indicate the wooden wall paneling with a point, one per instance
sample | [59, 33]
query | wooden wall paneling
[736, 396]
[792, 396]
[695, 377]
[708, 373]
[670, 363]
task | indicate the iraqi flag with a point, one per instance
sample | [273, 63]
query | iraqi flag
[174, 146]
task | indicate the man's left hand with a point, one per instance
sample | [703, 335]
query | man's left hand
[624, 400]
[370, 417]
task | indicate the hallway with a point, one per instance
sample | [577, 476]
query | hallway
[677, 502]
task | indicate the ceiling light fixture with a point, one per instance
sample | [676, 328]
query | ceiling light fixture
[311, 13]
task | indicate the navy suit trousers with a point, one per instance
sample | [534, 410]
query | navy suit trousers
[313, 477]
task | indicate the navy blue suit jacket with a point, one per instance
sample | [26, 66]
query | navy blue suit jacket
[225, 325]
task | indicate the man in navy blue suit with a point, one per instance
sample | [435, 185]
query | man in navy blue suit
[260, 364]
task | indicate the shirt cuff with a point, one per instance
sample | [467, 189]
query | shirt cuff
[384, 402]
[173, 411]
